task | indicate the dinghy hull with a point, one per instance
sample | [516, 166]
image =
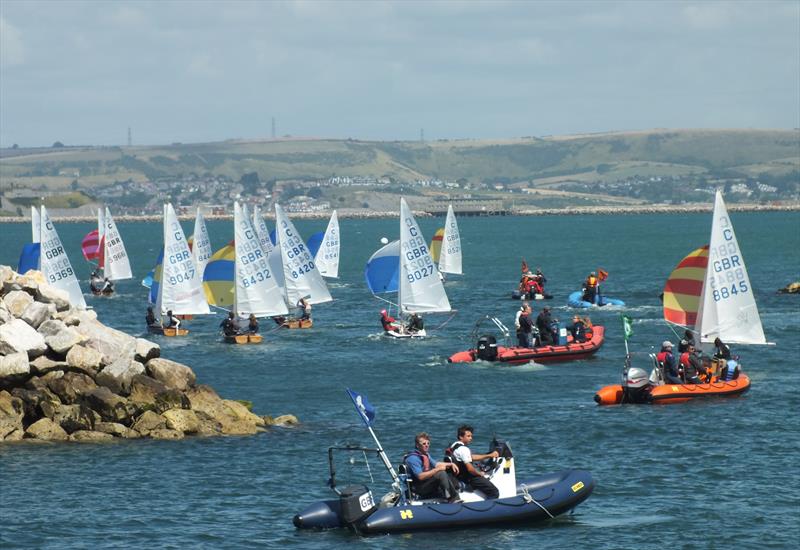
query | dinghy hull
[542, 354]
[678, 393]
[575, 300]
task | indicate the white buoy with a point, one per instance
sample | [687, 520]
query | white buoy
[384, 240]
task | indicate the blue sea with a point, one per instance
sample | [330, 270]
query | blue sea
[710, 474]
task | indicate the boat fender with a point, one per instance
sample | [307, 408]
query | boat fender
[356, 504]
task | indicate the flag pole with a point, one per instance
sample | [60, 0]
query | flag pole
[381, 452]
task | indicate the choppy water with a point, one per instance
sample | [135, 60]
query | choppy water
[712, 474]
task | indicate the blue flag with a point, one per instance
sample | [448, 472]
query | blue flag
[365, 410]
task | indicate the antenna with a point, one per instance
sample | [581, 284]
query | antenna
[130, 141]
[273, 127]
[422, 135]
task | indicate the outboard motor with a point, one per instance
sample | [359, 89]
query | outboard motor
[636, 386]
[355, 503]
[486, 348]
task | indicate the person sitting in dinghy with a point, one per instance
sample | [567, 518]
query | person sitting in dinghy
[415, 323]
[252, 325]
[463, 457]
[96, 282]
[305, 309]
[229, 325]
[151, 318]
[389, 323]
[172, 321]
[431, 479]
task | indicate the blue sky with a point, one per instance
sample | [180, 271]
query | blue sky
[83, 72]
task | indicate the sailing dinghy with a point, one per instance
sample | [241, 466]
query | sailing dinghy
[55, 264]
[324, 247]
[714, 303]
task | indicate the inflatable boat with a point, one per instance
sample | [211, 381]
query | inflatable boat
[637, 387]
[517, 295]
[488, 350]
[576, 300]
[401, 511]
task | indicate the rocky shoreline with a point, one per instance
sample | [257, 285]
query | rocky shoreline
[346, 213]
[64, 376]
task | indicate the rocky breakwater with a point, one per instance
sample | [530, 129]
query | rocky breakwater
[64, 376]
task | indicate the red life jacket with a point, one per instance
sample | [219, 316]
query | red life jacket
[684, 360]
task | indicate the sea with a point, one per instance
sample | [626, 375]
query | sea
[717, 473]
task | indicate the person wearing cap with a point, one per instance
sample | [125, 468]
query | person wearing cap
[388, 322]
[590, 288]
[669, 366]
[544, 323]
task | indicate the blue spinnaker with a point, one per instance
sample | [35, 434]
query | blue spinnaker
[383, 269]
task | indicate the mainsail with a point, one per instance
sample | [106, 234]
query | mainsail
[450, 256]
[55, 264]
[273, 252]
[727, 306]
[420, 289]
[326, 256]
[201, 245]
[301, 277]
[117, 266]
[36, 225]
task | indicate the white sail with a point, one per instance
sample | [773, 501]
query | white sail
[101, 225]
[256, 289]
[327, 257]
[181, 287]
[201, 243]
[727, 305]
[273, 252]
[55, 264]
[117, 265]
[450, 255]
[36, 225]
[300, 274]
[420, 289]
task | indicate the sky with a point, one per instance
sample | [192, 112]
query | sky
[83, 72]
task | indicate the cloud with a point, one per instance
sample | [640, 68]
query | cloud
[12, 49]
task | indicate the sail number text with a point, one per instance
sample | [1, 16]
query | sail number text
[726, 275]
[418, 263]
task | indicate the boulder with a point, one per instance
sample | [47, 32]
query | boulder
[111, 343]
[84, 359]
[64, 340]
[73, 418]
[241, 412]
[229, 417]
[51, 295]
[19, 336]
[285, 420]
[172, 374]
[182, 420]
[148, 422]
[110, 407]
[791, 288]
[146, 350]
[30, 281]
[17, 301]
[88, 436]
[46, 429]
[5, 315]
[47, 363]
[14, 368]
[116, 430]
[12, 412]
[35, 314]
[72, 387]
[6, 274]
[34, 401]
[51, 327]
[150, 394]
[117, 377]
[72, 317]
[166, 434]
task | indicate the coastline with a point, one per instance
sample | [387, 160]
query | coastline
[346, 213]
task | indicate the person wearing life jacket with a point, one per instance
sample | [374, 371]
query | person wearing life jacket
[721, 350]
[692, 366]
[388, 322]
[668, 364]
[544, 323]
[415, 323]
[431, 479]
[96, 282]
[577, 329]
[463, 457]
[590, 287]
[525, 330]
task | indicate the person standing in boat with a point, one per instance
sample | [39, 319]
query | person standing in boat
[591, 288]
[544, 323]
[666, 360]
[721, 351]
[464, 458]
[525, 332]
[172, 321]
[431, 479]
[252, 325]
[577, 329]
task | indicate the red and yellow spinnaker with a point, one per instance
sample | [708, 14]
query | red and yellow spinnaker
[436, 244]
[683, 288]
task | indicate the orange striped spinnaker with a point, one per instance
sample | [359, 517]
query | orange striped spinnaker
[436, 245]
[684, 287]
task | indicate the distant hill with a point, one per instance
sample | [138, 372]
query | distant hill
[553, 162]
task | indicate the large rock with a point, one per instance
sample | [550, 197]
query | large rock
[285, 420]
[46, 429]
[72, 387]
[17, 301]
[148, 422]
[231, 417]
[117, 377]
[116, 430]
[150, 394]
[72, 417]
[63, 341]
[111, 343]
[166, 434]
[14, 368]
[146, 350]
[88, 436]
[12, 413]
[110, 407]
[18, 336]
[74, 317]
[84, 359]
[35, 401]
[51, 295]
[172, 374]
[51, 327]
[5, 315]
[47, 363]
[36, 314]
[182, 420]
